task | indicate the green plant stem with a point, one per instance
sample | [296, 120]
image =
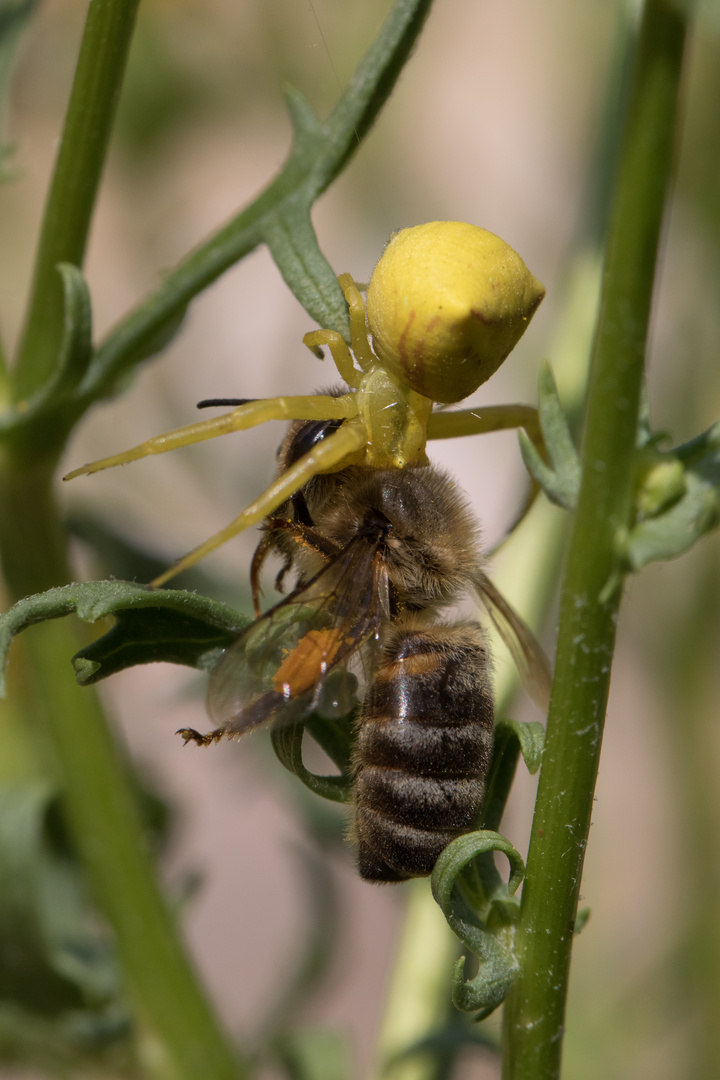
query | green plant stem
[534, 1012]
[524, 571]
[107, 833]
[78, 168]
[98, 798]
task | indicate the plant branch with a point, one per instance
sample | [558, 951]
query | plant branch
[78, 168]
[534, 1012]
[280, 215]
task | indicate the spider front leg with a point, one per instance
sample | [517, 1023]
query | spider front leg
[302, 407]
[480, 421]
[345, 447]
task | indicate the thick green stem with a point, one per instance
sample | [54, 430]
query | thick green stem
[78, 168]
[98, 798]
[103, 820]
[534, 1012]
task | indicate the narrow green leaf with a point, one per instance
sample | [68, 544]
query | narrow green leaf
[294, 246]
[510, 738]
[302, 117]
[531, 739]
[149, 636]
[560, 479]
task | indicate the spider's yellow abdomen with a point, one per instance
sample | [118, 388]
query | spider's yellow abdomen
[446, 304]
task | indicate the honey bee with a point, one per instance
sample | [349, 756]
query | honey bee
[379, 555]
[383, 544]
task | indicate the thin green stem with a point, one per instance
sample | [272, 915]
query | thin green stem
[78, 168]
[534, 1012]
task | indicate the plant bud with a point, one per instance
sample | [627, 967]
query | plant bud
[446, 304]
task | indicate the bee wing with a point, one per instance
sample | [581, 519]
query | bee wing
[280, 662]
[529, 657]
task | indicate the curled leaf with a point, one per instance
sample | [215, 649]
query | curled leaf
[480, 911]
[530, 736]
[287, 741]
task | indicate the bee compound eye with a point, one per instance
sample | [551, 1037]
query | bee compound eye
[307, 436]
[446, 304]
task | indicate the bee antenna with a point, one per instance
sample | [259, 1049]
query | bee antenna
[211, 402]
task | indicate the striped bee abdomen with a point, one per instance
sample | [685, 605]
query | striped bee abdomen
[423, 750]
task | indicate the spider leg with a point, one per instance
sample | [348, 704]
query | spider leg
[340, 353]
[452, 425]
[338, 347]
[304, 407]
[358, 323]
[328, 455]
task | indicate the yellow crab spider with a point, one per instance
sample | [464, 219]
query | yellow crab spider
[445, 305]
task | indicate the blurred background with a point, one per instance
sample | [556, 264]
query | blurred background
[503, 118]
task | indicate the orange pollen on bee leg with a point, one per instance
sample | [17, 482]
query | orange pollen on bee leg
[303, 667]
